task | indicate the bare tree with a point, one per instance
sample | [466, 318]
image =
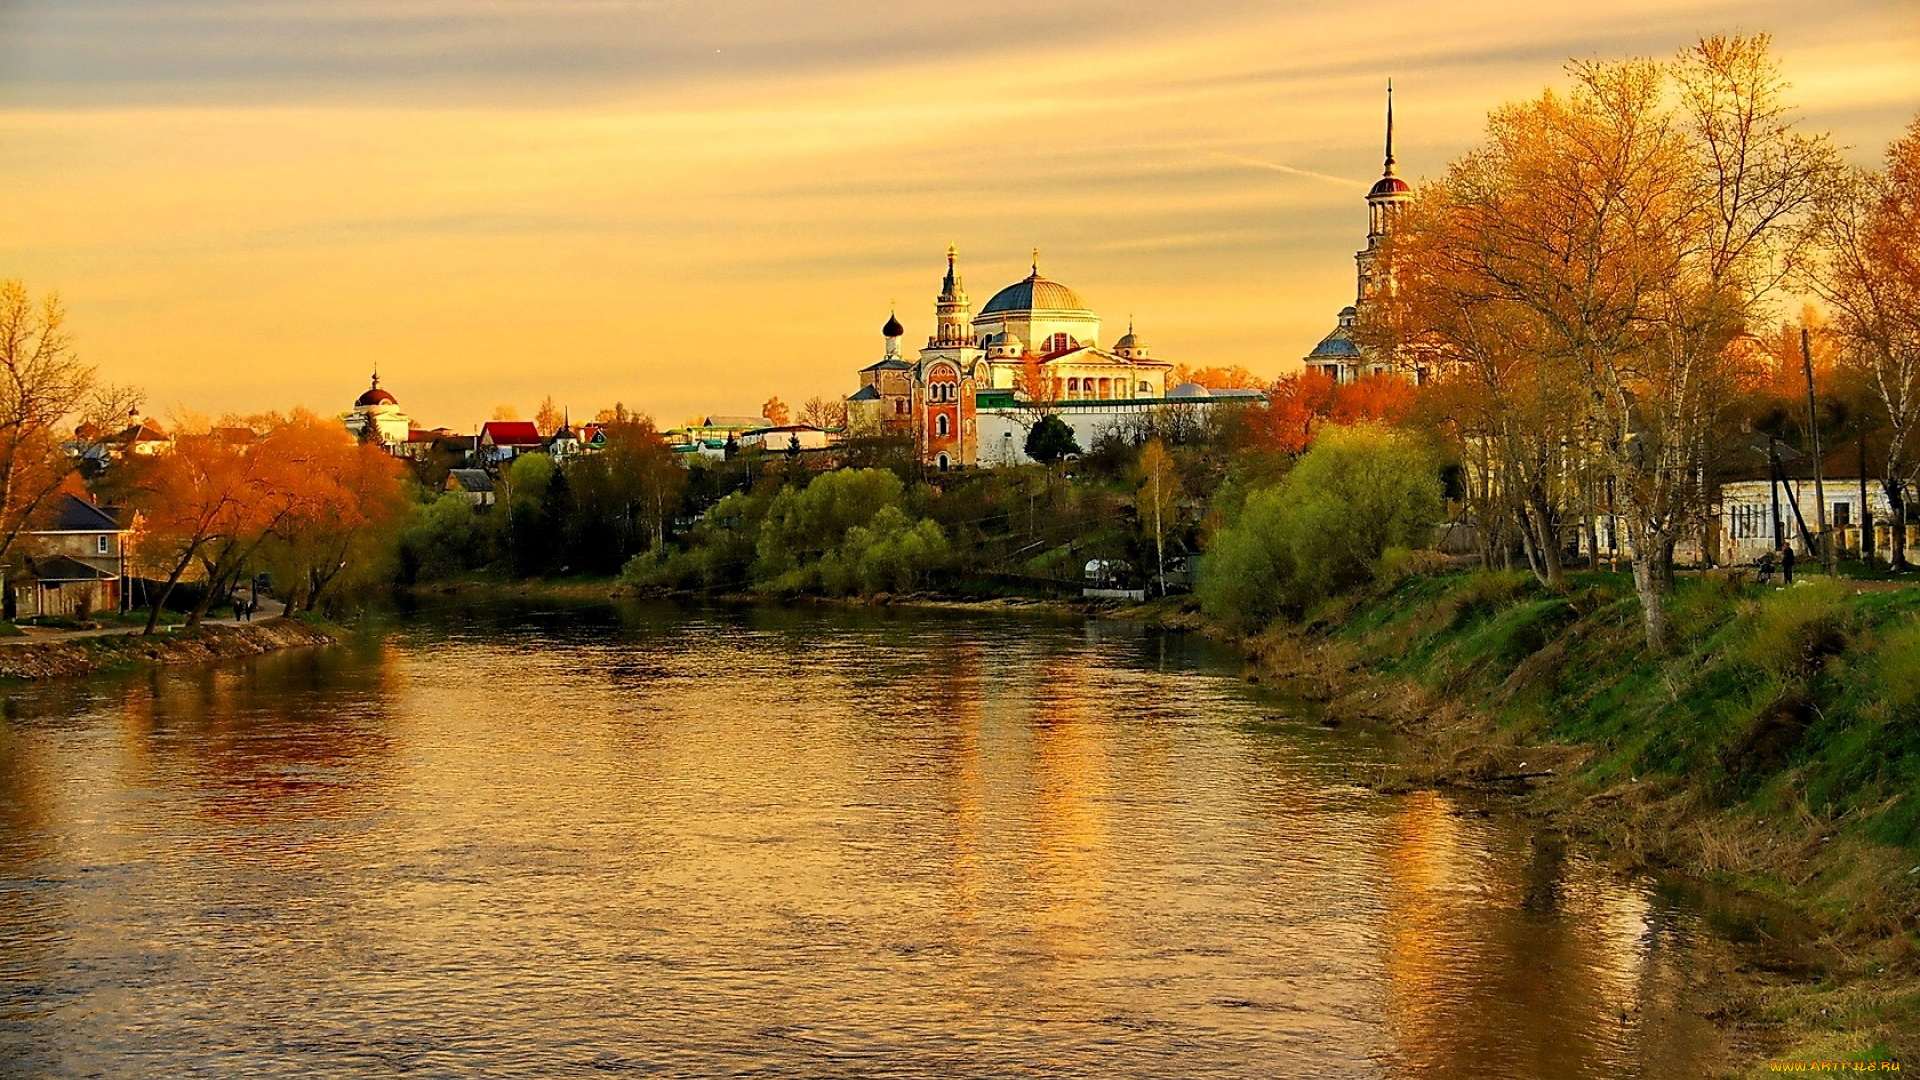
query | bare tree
[44, 389]
[820, 412]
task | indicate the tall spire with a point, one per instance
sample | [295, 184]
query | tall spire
[1389, 171]
[953, 318]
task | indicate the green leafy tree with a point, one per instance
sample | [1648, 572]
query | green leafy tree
[1051, 440]
[1323, 529]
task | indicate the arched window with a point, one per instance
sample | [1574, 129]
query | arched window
[940, 424]
[1144, 388]
[943, 458]
[1059, 343]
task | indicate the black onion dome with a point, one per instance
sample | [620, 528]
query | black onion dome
[893, 327]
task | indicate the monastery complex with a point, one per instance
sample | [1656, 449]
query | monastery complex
[971, 395]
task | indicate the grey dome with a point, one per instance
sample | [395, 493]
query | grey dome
[1034, 293]
[1189, 390]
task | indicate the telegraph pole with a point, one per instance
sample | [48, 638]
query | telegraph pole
[1819, 482]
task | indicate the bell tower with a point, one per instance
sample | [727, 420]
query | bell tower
[953, 316]
[1385, 200]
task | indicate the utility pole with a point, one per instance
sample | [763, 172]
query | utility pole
[1866, 508]
[1819, 482]
[1773, 490]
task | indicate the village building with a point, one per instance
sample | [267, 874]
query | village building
[502, 440]
[143, 436]
[794, 437]
[77, 565]
[140, 436]
[473, 485]
[1747, 525]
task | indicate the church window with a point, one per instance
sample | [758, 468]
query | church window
[1106, 388]
[1144, 388]
[1059, 343]
[940, 424]
[1073, 388]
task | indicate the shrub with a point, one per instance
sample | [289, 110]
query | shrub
[445, 538]
[1324, 528]
[805, 523]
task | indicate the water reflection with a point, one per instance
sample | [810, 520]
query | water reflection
[521, 841]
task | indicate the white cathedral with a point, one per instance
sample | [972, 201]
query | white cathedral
[968, 397]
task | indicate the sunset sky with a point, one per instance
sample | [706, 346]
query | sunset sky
[688, 205]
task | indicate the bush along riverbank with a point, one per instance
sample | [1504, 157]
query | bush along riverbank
[77, 656]
[1775, 748]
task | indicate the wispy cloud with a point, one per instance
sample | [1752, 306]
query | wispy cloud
[1289, 170]
[244, 202]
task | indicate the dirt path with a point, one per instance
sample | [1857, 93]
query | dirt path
[269, 609]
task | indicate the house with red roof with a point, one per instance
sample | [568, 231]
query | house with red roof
[501, 440]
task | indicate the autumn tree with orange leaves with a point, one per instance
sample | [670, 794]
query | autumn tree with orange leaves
[1868, 273]
[1225, 377]
[1622, 236]
[347, 502]
[1299, 406]
[211, 505]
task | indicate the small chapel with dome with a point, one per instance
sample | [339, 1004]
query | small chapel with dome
[376, 417]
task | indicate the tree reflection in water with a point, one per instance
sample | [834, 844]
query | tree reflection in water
[522, 841]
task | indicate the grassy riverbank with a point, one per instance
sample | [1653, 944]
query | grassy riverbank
[1776, 749]
[56, 658]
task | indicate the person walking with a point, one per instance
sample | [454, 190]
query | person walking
[1786, 564]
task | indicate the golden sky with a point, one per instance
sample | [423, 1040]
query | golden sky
[689, 205]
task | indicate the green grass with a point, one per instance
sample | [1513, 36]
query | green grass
[1775, 746]
[1808, 697]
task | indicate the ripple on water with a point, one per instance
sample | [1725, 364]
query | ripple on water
[648, 841]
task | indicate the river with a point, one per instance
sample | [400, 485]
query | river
[514, 841]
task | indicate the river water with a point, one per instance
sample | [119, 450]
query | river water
[513, 842]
